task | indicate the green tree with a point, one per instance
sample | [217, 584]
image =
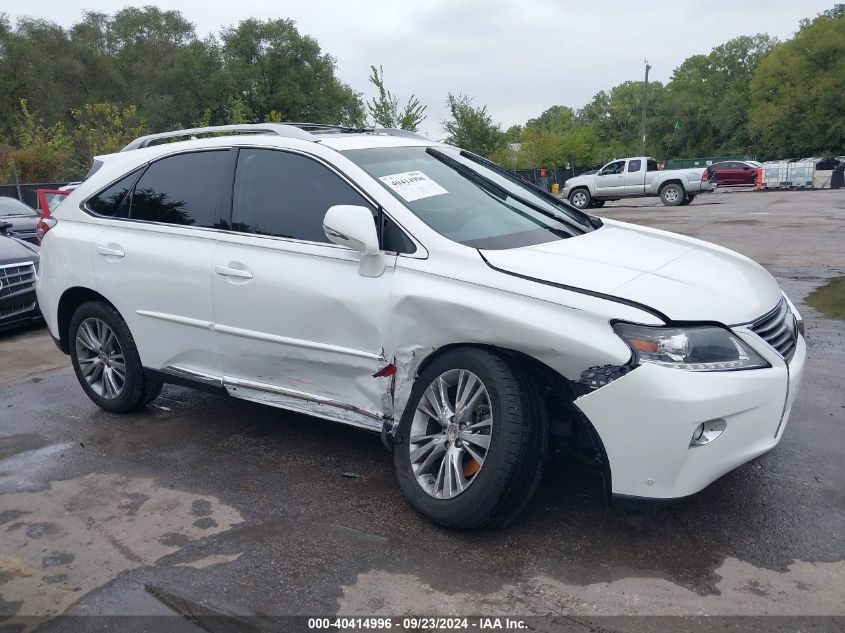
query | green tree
[270, 66]
[710, 95]
[798, 91]
[45, 151]
[471, 127]
[384, 108]
[103, 128]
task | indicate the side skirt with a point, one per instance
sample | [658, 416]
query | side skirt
[262, 393]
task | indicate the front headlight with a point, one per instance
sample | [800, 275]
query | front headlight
[694, 348]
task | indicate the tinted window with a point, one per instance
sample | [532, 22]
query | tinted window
[634, 165]
[286, 195]
[651, 165]
[185, 189]
[112, 202]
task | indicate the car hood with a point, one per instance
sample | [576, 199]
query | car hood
[13, 251]
[683, 278]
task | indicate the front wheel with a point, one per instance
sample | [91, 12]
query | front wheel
[672, 195]
[106, 361]
[580, 198]
[472, 443]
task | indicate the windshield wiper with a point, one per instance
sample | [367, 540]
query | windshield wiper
[493, 189]
[488, 184]
[584, 218]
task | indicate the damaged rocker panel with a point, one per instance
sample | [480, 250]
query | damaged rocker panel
[303, 402]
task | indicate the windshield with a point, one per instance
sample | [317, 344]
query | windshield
[10, 207]
[469, 199]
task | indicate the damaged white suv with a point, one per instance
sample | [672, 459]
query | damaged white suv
[382, 280]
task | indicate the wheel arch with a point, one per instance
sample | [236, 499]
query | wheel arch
[673, 181]
[69, 302]
[566, 420]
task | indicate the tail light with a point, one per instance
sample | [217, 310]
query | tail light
[704, 176]
[44, 225]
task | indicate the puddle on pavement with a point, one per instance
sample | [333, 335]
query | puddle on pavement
[60, 543]
[829, 299]
[804, 589]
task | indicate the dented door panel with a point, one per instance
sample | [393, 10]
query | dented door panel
[297, 324]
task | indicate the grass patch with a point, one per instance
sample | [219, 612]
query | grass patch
[829, 299]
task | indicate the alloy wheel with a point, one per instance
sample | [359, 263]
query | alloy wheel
[450, 433]
[100, 358]
[579, 199]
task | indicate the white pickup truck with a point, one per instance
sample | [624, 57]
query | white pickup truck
[636, 178]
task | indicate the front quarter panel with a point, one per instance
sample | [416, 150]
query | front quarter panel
[431, 309]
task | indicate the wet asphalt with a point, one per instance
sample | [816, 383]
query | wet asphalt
[245, 509]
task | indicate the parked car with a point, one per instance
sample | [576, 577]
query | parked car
[392, 283]
[735, 172]
[18, 270]
[827, 164]
[635, 178]
[22, 218]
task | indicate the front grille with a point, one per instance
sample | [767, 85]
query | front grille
[11, 311]
[779, 329]
[16, 278]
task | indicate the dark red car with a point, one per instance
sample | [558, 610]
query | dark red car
[735, 172]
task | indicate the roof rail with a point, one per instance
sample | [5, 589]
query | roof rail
[280, 129]
[393, 131]
[292, 130]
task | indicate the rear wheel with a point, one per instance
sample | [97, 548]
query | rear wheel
[472, 443]
[672, 194]
[106, 361]
[580, 198]
[597, 204]
[689, 198]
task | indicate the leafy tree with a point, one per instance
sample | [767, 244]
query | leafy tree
[384, 108]
[798, 91]
[471, 127]
[104, 128]
[270, 66]
[45, 151]
[710, 96]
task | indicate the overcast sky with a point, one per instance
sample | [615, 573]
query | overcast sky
[517, 57]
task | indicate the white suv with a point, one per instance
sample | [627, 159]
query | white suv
[382, 280]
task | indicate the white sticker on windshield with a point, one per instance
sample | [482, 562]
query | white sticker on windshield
[413, 185]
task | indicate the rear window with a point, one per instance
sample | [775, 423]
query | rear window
[112, 201]
[187, 189]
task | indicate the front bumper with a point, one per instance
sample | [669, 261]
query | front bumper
[646, 420]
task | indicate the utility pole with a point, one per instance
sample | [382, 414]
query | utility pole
[645, 102]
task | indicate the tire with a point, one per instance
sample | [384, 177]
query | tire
[580, 198]
[152, 391]
[133, 391]
[672, 195]
[597, 204]
[500, 487]
[688, 199]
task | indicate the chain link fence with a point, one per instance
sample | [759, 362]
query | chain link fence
[26, 192]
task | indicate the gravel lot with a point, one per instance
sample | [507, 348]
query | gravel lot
[202, 503]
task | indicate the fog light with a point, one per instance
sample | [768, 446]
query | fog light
[706, 432]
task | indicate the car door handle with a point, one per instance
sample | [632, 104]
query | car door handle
[107, 251]
[228, 271]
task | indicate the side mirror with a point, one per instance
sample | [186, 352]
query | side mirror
[353, 226]
[4, 228]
